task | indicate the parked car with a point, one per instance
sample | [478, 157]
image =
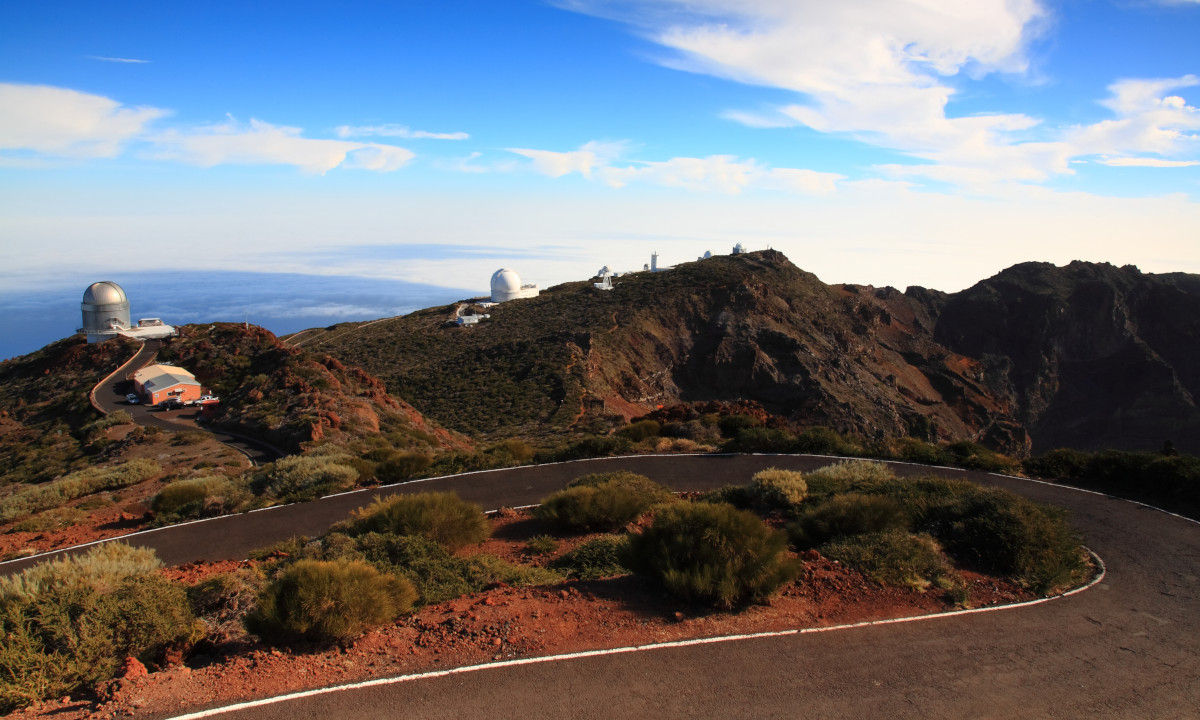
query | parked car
[170, 404]
[132, 399]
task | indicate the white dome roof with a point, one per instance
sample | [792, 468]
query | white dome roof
[505, 281]
[104, 293]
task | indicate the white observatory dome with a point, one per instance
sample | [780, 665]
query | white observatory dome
[506, 285]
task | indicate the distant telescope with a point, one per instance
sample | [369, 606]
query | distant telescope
[105, 310]
[506, 285]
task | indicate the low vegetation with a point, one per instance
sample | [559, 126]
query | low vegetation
[442, 517]
[35, 498]
[1165, 479]
[327, 601]
[601, 502]
[600, 557]
[713, 554]
[68, 624]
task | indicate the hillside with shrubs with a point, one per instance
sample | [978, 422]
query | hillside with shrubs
[1029, 360]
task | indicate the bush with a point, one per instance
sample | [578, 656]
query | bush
[442, 517]
[603, 501]
[222, 600]
[847, 476]
[68, 624]
[589, 447]
[892, 557]
[777, 490]
[1061, 464]
[437, 574]
[328, 601]
[196, 497]
[35, 498]
[716, 554]
[844, 516]
[541, 545]
[640, 430]
[918, 451]
[599, 557]
[400, 466]
[731, 425]
[761, 440]
[823, 441]
[305, 477]
[973, 456]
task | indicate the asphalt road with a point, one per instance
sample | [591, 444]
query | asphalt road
[110, 396]
[1127, 648]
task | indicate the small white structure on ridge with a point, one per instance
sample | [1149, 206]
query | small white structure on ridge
[106, 315]
[506, 285]
[739, 249]
[605, 282]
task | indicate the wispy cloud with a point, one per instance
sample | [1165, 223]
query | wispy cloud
[129, 61]
[885, 73]
[66, 123]
[1148, 162]
[714, 173]
[399, 131]
[261, 143]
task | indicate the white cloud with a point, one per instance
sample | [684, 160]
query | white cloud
[67, 123]
[1147, 161]
[587, 158]
[400, 131]
[715, 173]
[128, 61]
[261, 143]
[885, 72]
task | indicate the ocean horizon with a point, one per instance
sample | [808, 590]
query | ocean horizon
[280, 302]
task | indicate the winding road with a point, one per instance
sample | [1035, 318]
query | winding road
[1127, 648]
[109, 396]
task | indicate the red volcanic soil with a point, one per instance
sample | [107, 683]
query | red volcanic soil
[500, 624]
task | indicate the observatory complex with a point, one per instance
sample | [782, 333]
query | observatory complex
[106, 315]
[506, 285]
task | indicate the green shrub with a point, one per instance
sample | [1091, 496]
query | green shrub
[777, 490]
[847, 476]
[843, 516]
[640, 430]
[821, 440]
[589, 447]
[35, 498]
[196, 497]
[1061, 464]
[68, 624]
[541, 545]
[304, 477]
[442, 517]
[438, 575]
[710, 553]
[400, 466]
[731, 425]
[328, 601]
[603, 501]
[918, 451]
[222, 600]
[973, 456]
[761, 440]
[599, 557]
[892, 557]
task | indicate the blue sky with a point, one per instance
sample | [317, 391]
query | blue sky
[875, 141]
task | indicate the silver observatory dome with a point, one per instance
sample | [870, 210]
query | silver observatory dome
[105, 308]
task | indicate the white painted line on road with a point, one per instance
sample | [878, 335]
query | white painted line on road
[1102, 571]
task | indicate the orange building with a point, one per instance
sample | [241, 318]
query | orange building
[155, 383]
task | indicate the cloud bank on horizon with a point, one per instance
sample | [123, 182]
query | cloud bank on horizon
[819, 115]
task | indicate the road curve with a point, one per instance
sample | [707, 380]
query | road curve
[1127, 648]
[109, 396]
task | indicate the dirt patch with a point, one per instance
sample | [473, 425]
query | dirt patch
[503, 623]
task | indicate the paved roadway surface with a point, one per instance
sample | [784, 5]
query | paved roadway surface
[110, 396]
[1127, 648]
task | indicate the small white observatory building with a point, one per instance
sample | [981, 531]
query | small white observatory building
[506, 285]
[105, 309]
